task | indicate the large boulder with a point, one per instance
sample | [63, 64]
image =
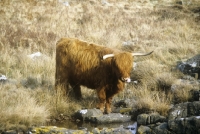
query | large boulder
[145, 119]
[158, 128]
[96, 116]
[191, 67]
[195, 95]
[184, 110]
[112, 118]
[190, 125]
[161, 129]
[178, 111]
[193, 108]
[184, 118]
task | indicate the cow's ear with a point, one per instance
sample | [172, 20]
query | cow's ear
[108, 56]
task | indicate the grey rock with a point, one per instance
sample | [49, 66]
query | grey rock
[132, 128]
[39, 56]
[142, 119]
[96, 116]
[189, 69]
[155, 117]
[105, 3]
[184, 118]
[3, 77]
[87, 114]
[112, 118]
[144, 130]
[195, 95]
[194, 60]
[184, 110]
[161, 129]
[191, 66]
[190, 125]
[127, 43]
[125, 103]
[122, 110]
[193, 108]
[5, 80]
[11, 132]
[96, 131]
[145, 119]
[178, 111]
[119, 130]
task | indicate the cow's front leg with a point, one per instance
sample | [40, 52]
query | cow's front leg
[108, 105]
[102, 99]
[110, 92]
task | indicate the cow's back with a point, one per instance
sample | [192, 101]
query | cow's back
[82, 62]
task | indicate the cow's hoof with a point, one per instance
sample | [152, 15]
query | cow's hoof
[107, 111]
[102, 109]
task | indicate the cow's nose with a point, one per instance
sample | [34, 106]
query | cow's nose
[128, 79]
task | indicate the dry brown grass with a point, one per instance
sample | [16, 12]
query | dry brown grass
[20, 109]
[28, 26]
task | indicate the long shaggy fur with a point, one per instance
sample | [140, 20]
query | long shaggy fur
[81, 63]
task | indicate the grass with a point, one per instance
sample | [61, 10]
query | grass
[30, 26]
[19, 109]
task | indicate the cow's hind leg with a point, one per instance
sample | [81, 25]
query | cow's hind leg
[62, 86]
[77, 91]
[61, 80]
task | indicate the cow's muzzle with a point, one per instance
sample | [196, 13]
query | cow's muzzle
[128, 79]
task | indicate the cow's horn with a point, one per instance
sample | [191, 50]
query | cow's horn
[108, 56]
[141, 54]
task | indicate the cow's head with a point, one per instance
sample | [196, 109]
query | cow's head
[123, 64]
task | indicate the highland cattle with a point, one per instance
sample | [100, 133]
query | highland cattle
[93, 66]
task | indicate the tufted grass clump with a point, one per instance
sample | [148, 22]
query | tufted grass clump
[20, 109]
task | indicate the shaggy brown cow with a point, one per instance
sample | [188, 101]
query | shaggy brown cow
[94, 66]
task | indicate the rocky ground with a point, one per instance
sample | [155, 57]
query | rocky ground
[183, 118]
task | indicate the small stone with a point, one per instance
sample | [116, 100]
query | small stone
[144, 130]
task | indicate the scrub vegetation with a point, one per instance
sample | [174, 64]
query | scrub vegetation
[171, 28]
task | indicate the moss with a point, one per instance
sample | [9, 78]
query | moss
[55, 130]
[125, 110]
